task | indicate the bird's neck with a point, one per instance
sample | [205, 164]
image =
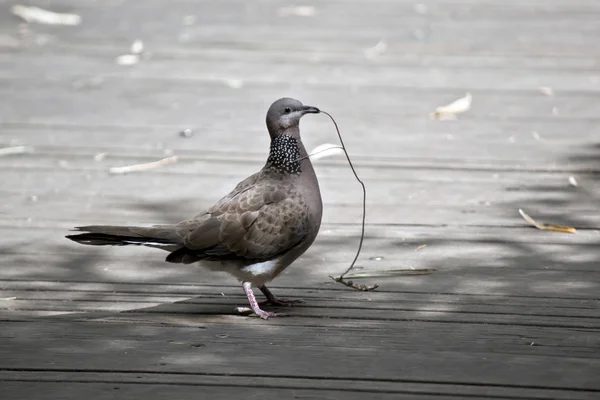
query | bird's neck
[287, 154]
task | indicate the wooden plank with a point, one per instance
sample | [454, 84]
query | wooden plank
[80, 157]
[323, 303]
[323, 309]
[174, 101]
[21, 297]
[159, 349]
[110, 297]
[413, 156]
[168, 385]
[334, 309]
[330, 292]
[550, 341]
[67, 389]
[359, 78]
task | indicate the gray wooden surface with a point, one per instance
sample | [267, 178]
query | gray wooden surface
[510, 312]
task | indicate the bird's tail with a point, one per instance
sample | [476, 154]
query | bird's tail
[161, 236]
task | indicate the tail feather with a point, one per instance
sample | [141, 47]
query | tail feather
[161, 236]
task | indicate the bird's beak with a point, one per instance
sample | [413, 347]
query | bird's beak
[311, 110]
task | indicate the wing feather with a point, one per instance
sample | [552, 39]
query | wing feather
[259, 221]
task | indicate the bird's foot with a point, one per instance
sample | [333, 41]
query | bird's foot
[254, 307]
[274, 301]
[259, 313]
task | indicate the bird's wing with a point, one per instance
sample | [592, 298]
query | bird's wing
[258, 222]
[241, 187]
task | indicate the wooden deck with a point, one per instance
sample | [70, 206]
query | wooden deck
[511, 312]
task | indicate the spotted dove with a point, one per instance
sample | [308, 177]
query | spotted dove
[255, 231]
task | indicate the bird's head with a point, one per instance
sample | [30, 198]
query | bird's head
[285, 113]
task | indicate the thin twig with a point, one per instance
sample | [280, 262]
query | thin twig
[6, 151]
[143, 167]
[547, 227]
[340, 278]
[41, 16]
[318, 152]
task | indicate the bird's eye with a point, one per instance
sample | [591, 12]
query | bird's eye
[287, 110]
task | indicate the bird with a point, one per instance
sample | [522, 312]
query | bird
[254, 232]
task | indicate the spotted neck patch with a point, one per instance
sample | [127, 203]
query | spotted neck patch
[284, 155]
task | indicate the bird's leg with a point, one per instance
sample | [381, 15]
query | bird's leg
[254, 304]
[271, 299]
